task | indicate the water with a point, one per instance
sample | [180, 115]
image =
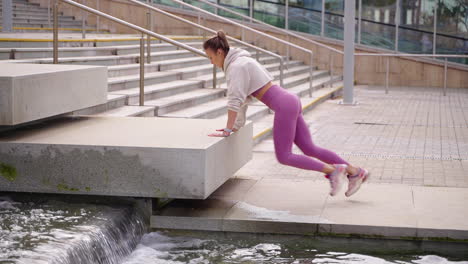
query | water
[37, 229]
[205, 247]
[43, 229]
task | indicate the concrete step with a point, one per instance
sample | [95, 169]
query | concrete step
[159, 90]
[39, 15]
[254, 113]
[269, 59]
[117, 59]
[133, 81]
[45, 24]
[199, 70]
[156, 47]
[188, 66]
[291, 71]
[91, 41]
[209, 110]
[276, 65]
[113, 101]
[296, 77]
[31, 20]
[218, 107]
[47, 52]
[30, 28]
[318, 83]
[25, 6]
[180, 101]
[299, 79]
[129, 110]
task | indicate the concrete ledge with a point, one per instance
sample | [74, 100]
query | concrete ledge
[29, 92]
[305, 208]
[134, 156]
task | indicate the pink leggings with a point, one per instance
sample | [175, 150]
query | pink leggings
[289, 126]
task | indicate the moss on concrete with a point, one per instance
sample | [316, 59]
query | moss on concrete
[8, 172]
[64, 187]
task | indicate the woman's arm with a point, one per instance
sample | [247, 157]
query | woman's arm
[224, 132]
[232, 115]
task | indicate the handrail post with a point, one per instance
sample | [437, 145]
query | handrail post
[322, 24]
[311, 86]
[257, 56]
[142, 70]
[199, 30]
[48, 14]
[148, 38]
[83, 22]
[242, 31]
[445, 77]
[331, 69]
[251, 11]
[204, 32]
[281, 72]
[287, 54]
[97, 17]
[55, 33]
[359, 20]
[214, 77]
[386, 75]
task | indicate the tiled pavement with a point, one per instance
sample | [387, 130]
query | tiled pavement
[413, 136]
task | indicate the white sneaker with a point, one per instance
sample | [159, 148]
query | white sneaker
[336, 178]
[355, 181]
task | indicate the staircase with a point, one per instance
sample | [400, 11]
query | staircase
[30, 17]
[178, 84]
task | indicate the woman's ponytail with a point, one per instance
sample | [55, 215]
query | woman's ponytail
[217, 42]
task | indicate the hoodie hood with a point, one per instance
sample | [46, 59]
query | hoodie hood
[232, 55]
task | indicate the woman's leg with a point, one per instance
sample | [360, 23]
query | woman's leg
[303, 140]
[284, 134]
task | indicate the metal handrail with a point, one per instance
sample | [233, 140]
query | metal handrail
[287, 32]
[214, 32]
[388, 55]
[132, 26]
[288, 44]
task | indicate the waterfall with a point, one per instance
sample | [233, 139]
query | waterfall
[67, 233]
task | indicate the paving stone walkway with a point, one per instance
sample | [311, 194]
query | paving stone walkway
[413, 136]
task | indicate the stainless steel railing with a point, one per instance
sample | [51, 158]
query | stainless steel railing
[288, 44]
[288, 34]
[132, 26]
[152, 8]
[389, 55]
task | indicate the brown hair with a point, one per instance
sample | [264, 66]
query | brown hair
[217, 42]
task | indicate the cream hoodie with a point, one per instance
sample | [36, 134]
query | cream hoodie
[244, 75]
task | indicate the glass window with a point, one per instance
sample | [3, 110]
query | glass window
[305, 16]
[452, 28]
[416, 26]
[271, 12]
[334, 14]
[378, 23]
[239, 6]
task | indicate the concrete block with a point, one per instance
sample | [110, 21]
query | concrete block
[30, 92]
[115, 156]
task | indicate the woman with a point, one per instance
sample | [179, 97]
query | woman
[245, 76]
